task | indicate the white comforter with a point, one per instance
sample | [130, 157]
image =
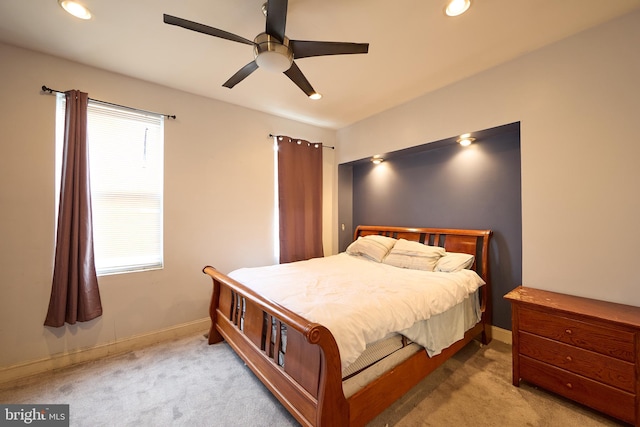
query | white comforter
[358, 300]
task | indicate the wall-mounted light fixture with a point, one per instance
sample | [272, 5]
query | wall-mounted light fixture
[376, 160]
[457, 7]
[465, 140]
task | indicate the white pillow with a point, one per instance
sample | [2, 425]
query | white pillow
[414, 255]
[453, 262]
[373, 246]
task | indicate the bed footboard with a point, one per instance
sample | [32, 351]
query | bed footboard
[296, 359]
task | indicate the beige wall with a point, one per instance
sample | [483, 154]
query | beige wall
[578, 102]
[218, 204]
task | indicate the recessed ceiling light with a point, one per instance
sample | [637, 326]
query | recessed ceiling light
[75, 9]
[457, 7]
[315, 95]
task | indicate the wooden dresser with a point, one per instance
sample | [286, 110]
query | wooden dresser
[583, 349]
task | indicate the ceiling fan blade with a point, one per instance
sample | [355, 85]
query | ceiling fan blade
[305, 49]
[276, 18]
[241, 74]
[299, 79]
[205, 29]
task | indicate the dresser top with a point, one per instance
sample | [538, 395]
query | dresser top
[589, 308]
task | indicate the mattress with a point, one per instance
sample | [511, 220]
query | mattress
[379, 357]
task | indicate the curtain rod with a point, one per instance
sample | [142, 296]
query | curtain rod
[168, 116]
[323, 146]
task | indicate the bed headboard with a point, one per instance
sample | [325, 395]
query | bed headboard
[474, 242]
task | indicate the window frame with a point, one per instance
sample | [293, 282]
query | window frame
[127, 264]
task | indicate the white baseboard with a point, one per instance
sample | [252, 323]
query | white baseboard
[137, 342]
[502, 335]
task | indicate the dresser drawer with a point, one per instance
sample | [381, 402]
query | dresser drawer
[604, 398]
[612, 342]
[606, 369]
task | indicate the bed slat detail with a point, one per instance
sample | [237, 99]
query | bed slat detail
[414, 237]
[226, 302]
[253, 323]
[267, 345]
[277, 347]
[367, 233]
[235, 309]
[302, 362]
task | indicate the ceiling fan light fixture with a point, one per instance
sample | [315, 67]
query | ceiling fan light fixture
[273, 61]
[457, 7]
[76, 9]
[315, 95]
[271, 54]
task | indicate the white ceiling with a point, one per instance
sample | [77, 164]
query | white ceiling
[414, 47]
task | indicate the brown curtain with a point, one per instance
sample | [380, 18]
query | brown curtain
[74, 291]
[300, 199]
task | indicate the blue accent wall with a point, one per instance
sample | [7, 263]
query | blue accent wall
[445, 185]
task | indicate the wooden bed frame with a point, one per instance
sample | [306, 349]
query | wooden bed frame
[310, 383]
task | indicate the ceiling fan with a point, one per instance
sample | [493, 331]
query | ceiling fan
[272, 49]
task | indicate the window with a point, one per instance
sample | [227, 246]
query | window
[126, 166]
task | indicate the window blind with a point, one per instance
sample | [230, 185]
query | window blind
[126, 171]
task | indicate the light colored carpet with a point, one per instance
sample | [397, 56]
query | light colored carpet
[189, 383]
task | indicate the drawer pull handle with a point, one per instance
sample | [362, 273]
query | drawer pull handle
[568, 331]
[569, 385]
[569, 359]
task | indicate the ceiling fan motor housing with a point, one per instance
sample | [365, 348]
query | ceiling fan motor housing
[271, 54]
